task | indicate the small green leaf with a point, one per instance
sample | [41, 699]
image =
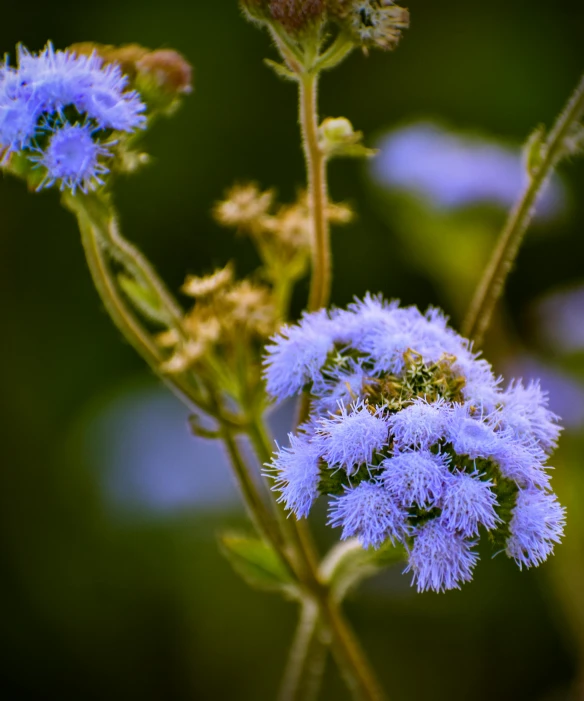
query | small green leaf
[534, 149]
[143, 299]
[257, 562]
[281, 70]
[348, 564]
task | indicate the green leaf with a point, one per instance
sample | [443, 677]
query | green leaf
[281, 70]
[258, 563]
[143, 299]
[348, 564]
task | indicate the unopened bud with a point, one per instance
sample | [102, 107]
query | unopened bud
[336, 137]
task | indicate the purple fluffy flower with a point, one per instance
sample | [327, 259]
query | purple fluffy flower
[469, 434]
[467, 503]
[297, 474]
[419, 425]
[73, 159]
[297, 355]
[524, 464]
[370, 513]
[524, 411]
[416, 478]
[59, 109]
[538, 522]
[342, 385]
[440, 559]
[352, 437]
[415, 440]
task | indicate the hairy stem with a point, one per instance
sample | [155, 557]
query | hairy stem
[495, 276]
[93, 230]
[320, 284]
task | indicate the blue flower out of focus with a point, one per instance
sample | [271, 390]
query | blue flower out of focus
[414, 440]
[63, 112]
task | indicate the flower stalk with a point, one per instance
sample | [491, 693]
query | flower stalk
[320, 285]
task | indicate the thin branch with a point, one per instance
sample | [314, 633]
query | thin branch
[493, 282]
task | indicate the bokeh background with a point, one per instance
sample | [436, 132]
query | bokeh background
[111, 583]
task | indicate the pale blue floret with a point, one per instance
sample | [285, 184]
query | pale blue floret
[370, 513]
[524, 411]
[419, 425]
[343, 384]
[380, 330]
[297, 474]
[72, 158]
[481, 387]
[470, 435]
[440, 559]
[297, 355]
[416, 478]
[522, 463]
[352, 437]
[467, 503]
[538, 522]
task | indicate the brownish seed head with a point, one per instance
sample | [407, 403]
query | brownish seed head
[296, 15]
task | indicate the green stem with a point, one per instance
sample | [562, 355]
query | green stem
[320, 285]
[132, 259]
[351, 660]
[307, 658]
[263, 520]
[92, 236]
[493, 282]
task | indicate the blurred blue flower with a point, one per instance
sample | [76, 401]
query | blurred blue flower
[452, 171]
[561, 319]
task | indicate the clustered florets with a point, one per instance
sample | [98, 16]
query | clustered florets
[414, 440]
[63, 112]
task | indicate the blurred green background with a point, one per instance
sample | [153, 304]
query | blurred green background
[111, 584]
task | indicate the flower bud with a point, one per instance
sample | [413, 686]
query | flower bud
[161, 77]
[336, 137]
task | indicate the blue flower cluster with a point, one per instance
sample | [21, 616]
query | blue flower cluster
[63, 112]
[414, 440]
